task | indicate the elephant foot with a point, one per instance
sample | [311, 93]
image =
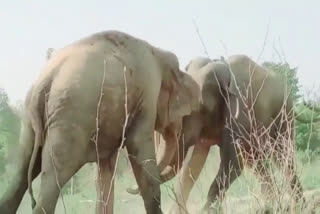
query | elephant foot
[178, 209]
[212, 208]
[267, 211]
[133, 190]
[5, 210]
[7, 207]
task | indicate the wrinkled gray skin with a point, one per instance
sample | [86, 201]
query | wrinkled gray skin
[79, 102]
[207, 127]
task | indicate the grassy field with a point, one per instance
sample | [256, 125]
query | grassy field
[241, 197]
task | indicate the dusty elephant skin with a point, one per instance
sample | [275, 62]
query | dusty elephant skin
[76, 110]
[224, 86]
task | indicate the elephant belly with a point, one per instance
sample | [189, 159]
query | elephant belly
[102, 117]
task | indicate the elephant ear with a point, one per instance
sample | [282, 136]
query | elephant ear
[169, 64]
[176, 97]
[184, 99]
[179, 106]
[181, 87]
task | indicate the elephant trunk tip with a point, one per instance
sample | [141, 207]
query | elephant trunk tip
[33, 202]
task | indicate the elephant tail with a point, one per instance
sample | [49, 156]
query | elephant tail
[37, 106]
[37, 110]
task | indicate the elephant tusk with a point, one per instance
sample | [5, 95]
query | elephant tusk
[237, 109]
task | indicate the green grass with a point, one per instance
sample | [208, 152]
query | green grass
[84, 200]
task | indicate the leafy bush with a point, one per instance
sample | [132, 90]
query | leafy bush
[9, 129]
[307, 134]
[2, 155]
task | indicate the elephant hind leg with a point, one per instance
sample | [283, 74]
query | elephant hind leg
[296, 186]
[105, 186]
[11, 199]
[64, 154]
[266, 179]
[285, 155]
[290, 173]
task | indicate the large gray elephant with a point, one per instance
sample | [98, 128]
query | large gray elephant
[93, 95]
[248, 112]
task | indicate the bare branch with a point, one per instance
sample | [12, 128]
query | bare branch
[123, 129]
[200, 38]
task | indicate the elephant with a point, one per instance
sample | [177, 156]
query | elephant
[248, 112]
[98, 94]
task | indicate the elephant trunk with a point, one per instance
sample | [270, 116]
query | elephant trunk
[176, 164]
[190, 134]
[171, 157]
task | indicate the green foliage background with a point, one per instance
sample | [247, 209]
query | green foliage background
[307, 134]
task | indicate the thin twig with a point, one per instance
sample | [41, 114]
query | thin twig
[96, 137]
[123, 131]
[200, 38]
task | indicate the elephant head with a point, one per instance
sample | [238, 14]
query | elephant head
[197, 63]
[215, 77]
[217, 89]
[219, 95]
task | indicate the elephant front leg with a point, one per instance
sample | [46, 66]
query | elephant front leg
[105, 186]
[230, 168]
[188, 176]
[141, 150]
[168, 162]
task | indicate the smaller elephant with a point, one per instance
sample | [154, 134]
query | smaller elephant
[248, 112]
[95, 95]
